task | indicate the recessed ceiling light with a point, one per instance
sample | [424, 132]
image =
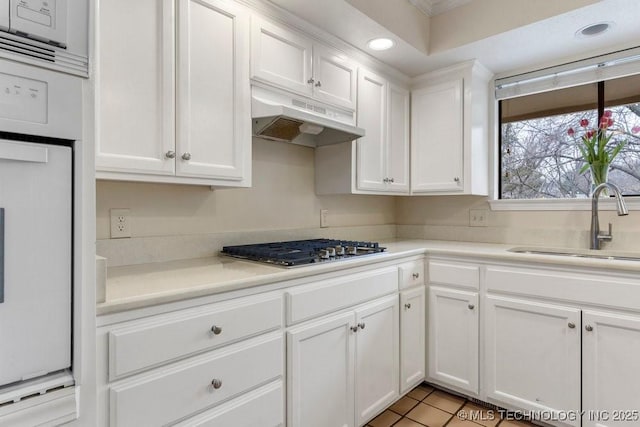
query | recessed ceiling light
[381, 43]
[593, 30]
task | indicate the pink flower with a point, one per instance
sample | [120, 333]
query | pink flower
[609, 122]
[571, 132]
[635, 129]
[605, 122]
[607, 113]
[584, 123]
[590, 134]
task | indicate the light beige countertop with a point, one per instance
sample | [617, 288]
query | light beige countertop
[137, 286]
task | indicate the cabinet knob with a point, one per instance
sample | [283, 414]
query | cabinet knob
[217, 330]
[310, 81]
[471, 306]
[416, 275]
[407, 306]
[186, 156]
[170, 154]
[588, 328]
[216, 383]
[391, 180]
[456, 179]
[385, 180]
[318, 84]
[361, 325]
[354, 328]
[571, 325]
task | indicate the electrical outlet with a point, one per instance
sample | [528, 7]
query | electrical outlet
[324, 222]
[120, 225]
[478, 217]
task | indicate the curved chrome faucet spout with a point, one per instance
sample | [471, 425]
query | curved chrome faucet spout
[621, 206]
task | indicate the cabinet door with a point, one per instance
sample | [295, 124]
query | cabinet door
[281, 57]
[610, 385]
[533, 355]
[377, 376]
[320, 373]
[398, 140]
[453, 338]
[214, 103]
[334, 77]
[412, 338]
[437, 138]
[135, 79]
[372, 116]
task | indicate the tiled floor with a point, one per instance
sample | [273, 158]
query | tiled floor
[426, 406]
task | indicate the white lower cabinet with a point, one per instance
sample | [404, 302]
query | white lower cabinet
[610, 369]
[343, 369]
[412, 338]
[533, 355]
[453, 338]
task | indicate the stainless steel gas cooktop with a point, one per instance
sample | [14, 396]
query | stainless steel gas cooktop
[303, 252]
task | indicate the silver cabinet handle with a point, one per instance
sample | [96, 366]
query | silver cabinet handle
[385, 180]
[456, 179]
[354, 328]
[571, 325]
[310, 81]
[361, 325]
[588, 328]
[391, 180]
[416, 275]
[216, 383]
[407, 306]
[186, 156]
[217, 330]
[318, 84]
[170, 154]
[471, 306]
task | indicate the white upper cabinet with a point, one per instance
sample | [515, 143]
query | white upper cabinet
[292, 61]
[135, 85]
[152, 126]
[281, 57]
[377, 163]
[214, 107]
[398, 135]
[371, 148]
[334, 77]
[449, 131]
[437, 157]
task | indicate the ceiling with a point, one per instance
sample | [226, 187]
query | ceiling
[546, 42]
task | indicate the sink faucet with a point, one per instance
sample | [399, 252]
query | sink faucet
[596, 236]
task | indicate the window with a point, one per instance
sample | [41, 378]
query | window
[539, 159]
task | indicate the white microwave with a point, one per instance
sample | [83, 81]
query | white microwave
[47, 33]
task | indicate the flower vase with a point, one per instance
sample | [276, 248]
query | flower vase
[599, 174]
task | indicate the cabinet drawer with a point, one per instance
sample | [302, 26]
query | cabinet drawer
[317, 299]
[262, 407]
[450, 273]
[411, 274]
[173, 393]
[169, 337]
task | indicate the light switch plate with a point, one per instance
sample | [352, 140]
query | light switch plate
[324, 222]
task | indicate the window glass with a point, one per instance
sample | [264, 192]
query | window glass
[540, 155]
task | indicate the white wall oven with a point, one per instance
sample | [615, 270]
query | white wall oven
[40, 127]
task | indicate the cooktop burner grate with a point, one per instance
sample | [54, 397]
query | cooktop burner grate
[303, 252]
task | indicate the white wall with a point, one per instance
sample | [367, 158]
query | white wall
[282, 197]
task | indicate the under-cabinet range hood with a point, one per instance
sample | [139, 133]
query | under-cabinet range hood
[280, 116]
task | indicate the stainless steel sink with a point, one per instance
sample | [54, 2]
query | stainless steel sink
[578, 253]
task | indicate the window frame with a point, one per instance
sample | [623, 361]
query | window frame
[495, 138]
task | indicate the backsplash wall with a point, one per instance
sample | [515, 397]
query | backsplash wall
[282, 198]
[447, 218]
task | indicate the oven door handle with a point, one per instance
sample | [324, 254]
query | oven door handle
[22, 152]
